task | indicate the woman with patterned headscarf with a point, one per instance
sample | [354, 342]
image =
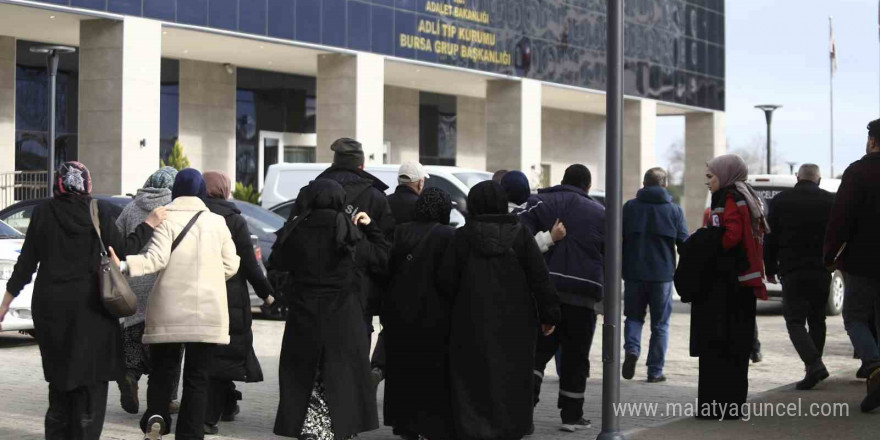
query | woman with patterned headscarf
[415, 317]
[155, 193]
[80, 342]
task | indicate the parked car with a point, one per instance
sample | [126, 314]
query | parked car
[19, 316]
[767, 187]
[284, 181]
[261, 223]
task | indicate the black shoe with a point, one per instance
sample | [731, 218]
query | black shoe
[629, 366]
[656, 379]
[872, 400]
[128, 394]
[211, 429]
[574, 427]
[377, 376]
[756, 357]
[230, 416]
[174, 407]
[862, 373]
[813, 378]
[155, 428]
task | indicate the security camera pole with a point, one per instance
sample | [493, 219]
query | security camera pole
[613, 226]
[54, 57]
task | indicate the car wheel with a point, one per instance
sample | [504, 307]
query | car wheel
[835, 298]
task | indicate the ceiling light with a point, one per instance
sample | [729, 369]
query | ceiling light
[52, 17]
[185, 51]
[164, 32]
[262, 47]
[270, 63]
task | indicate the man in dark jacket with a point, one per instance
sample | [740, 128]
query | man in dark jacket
[652, 227]
[576, 266]
[411, 181]
[793, 251]
[851, 242]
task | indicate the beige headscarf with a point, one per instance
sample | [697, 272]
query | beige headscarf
[731, 170]
[218, 184]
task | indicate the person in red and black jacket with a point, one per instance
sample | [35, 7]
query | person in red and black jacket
[851, 242]
[723, 321]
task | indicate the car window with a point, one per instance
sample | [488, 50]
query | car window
[7, 231]
[284, 210]
[472, 179]
[457, 196]
[19, 218]
[260, 221]
[767, 194]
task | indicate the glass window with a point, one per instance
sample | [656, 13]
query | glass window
[300, 154]
[437, 129]
[472, 179]
[458, 197]
[19, 218]
[7, 231]
[261, 222]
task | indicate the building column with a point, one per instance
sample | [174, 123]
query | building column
[571, 137]
[207, 115]
[471, 134]
[402, 124]
[119, 87]
[513, 127]
[639, 143]
[7, 118]
[351, 103]
[704, 139]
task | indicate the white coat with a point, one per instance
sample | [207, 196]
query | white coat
[188, 301]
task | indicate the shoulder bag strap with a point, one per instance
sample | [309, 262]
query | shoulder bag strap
[185, 230]
[96, 223]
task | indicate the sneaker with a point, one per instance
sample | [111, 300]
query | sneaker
[211, 429]
[629, 366]
[155, 428]
[230, 416]
[128, 394]
[812, 378]
[574, 427]
[656, 379]
[174, 407]
[756, 357]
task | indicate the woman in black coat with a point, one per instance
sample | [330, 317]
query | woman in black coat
[501, 291]
[80, 342]
[415, 317]
[324, 374]
[236, 361]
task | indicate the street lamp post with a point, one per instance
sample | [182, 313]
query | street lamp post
[768, 113]
[613, 225]
[53, 58]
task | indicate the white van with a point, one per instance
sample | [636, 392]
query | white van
[768, 187]
[283, 182]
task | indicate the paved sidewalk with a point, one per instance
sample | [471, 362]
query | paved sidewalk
[23, 393]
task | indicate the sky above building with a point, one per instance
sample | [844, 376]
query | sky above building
[778, 53]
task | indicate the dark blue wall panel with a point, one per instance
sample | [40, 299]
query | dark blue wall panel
[675, 48]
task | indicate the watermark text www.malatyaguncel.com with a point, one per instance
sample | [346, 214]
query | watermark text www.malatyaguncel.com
[744, 411]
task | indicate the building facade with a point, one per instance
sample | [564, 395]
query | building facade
[243, 84]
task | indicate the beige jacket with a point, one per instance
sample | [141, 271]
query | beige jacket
[188, 301]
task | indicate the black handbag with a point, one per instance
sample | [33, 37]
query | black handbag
[116, 294]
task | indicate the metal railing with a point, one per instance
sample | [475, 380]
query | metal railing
[22, 185]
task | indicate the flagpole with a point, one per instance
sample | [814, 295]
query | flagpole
[831, 57]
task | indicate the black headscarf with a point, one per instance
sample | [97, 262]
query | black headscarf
[487, 198]
[326, 195]
[434, 205]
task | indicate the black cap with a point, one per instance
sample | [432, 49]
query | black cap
[348, 153]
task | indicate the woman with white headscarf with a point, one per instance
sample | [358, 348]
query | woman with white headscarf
[723, 319]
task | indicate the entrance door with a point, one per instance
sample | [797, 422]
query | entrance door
[277, 147]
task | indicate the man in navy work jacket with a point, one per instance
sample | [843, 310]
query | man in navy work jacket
[652, 227]
[577, 265]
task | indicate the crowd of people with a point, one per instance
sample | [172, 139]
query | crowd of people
[471, 316]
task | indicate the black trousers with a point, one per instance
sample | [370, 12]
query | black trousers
[574, 335]
[77, 414]
[222, 398]
[804, 296]
[196, 377]
[378, 360]
[724, 380]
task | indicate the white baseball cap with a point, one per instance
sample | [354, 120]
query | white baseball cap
[411, 172]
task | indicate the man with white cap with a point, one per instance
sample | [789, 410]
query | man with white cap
[411, 181]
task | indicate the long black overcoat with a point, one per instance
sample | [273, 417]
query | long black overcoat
[415, 318]
[500, 291]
